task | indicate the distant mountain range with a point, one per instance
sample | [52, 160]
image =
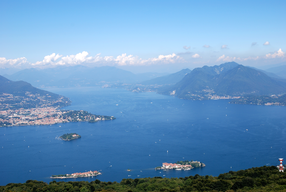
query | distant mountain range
[278, 70]
[79, 76]
[226, 80]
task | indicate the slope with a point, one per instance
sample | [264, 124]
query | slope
[168, 79]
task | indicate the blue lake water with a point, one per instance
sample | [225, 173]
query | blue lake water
[224, 136]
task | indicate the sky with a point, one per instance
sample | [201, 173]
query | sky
[141, 36]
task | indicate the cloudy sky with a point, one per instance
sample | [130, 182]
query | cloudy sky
[142, 35]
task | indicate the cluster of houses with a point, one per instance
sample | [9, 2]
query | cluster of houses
[85, 174]
[32, 116]
[76, 175]
[176, 166]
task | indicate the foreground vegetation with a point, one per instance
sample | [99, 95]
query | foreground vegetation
[254, 179]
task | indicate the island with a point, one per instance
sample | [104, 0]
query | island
[76, 175]
[70, 136]
[181, 165]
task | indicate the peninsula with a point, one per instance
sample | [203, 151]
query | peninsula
[46, 116]
[21, 104]
[76, 175]
[70, 136]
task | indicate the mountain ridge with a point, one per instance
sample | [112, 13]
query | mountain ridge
[20, 94]
[168, 79]
[62, 76]
[225, 80]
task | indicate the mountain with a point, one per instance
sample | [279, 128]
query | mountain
[46, 77]
[168, 79]
[20, 94]
[63, 76]
[8, 71]
[19, 88]
[280, 71]
[270, 74]
[229, 79]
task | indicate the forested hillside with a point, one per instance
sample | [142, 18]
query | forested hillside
[255, 179]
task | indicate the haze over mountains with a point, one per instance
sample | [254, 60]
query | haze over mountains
[278, 70]
[168, 79]
[225, 80]
[79, 76]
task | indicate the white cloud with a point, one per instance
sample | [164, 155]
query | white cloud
[224, 46]
[75, 59]
[226, 58]
[278, 53]
[172, 58]
[229, 59]
[266, 43]
[206, 46]
[195, 56]
[13, 62]
[125, 59]
[121, 60]
[48, 59]
[186, 47]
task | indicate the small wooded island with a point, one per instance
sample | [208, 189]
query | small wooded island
[70, 136]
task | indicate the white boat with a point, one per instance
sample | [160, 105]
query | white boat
[178, 169]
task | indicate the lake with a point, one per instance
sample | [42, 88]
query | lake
[150, 129]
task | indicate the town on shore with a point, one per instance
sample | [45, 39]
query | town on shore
[76, 175]
[36, 109]
[46, 116]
